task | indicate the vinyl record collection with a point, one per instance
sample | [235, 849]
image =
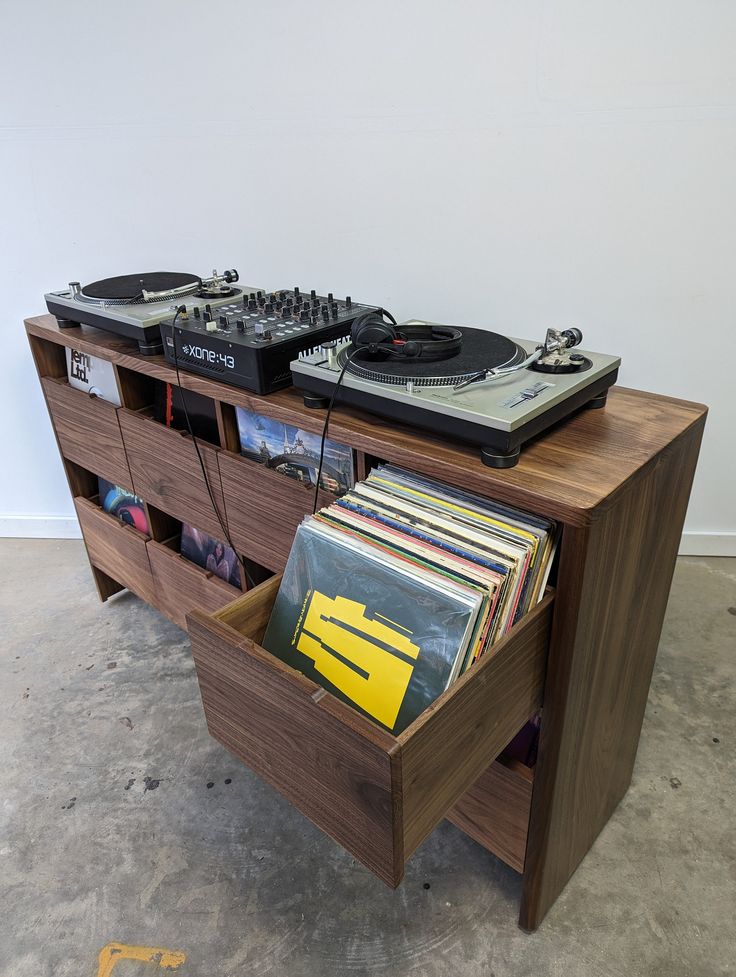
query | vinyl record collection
[400, 586]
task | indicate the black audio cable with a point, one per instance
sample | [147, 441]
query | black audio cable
[331, 404]
[223, 522]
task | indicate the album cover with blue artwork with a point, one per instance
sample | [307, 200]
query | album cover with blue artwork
[294, 452]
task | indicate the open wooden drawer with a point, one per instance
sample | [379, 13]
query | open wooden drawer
[376, 794]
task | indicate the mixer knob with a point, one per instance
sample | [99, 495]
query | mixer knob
[335, 310]
[208, 308]
[240, 325]
[349, 302]
[207, 316]
[252, 305]
[259, 294]
[268, 308]
[262, 331]
[197, 312]
[304, 315]
[315, 302]
[313, 294]
[296, 291]
[325, 313]
[223, 321]
[330, 298]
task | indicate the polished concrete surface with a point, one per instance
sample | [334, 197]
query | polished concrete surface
[124, 823]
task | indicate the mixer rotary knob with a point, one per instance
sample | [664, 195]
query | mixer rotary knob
[262, 331]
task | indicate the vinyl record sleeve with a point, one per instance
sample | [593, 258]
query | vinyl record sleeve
[546, 530]
[485, 582]
[92, 374]
[294, 452]
[383, 635]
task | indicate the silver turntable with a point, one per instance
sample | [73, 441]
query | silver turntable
[134, 305]
[497, 392]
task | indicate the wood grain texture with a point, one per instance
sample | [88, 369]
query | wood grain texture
[250, 615]
[495, 811]
[182, 586]
[423, 772]
[264, 508]
[88, 431]
[618, 479]
[165, 471]
[337, 771]
[566, 474]
[119, 551]
[449, 746]
[613, 585]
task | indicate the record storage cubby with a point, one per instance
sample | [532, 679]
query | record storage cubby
[617, 480]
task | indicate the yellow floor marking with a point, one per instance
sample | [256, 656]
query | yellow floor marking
[110, 954]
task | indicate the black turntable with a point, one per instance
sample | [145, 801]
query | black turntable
[134, 305]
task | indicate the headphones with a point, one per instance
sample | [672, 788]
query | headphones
[371, 332]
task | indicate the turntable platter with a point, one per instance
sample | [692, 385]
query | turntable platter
[158, 286]
[480, 349]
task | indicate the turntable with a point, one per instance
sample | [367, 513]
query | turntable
[134, 305]
[465, 383]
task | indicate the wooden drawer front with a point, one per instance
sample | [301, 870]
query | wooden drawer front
[166, 472]
[88, 431]
[264, 508]
[377, 795]
[495, 811]
[116, 549]
[182, 586]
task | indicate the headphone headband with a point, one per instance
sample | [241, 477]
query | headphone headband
[428, 342]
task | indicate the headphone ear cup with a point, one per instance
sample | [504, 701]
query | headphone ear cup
[370, 329]
[411, 349]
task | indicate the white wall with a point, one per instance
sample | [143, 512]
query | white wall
[511, 164]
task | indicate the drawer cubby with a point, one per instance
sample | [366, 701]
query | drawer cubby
[264, 508]
[182, 586]
[88, 430]
[115, 548]
[165, 470]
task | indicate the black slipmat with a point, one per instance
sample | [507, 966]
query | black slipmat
[130, 287]
[480, 350]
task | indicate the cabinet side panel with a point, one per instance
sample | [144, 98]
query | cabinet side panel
[613, 587]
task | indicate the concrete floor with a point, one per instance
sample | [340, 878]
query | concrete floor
[122, 821]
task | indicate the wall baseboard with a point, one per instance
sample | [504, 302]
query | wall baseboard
[708, 544]
[40, 527]
[67, 527]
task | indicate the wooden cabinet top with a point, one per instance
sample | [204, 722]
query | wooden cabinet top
[571, 473]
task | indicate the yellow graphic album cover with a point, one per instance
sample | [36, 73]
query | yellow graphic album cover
[373, 630]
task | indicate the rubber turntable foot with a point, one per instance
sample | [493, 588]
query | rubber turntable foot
[150, 349]
[316, 400]
[495, 458]
[599, 401]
